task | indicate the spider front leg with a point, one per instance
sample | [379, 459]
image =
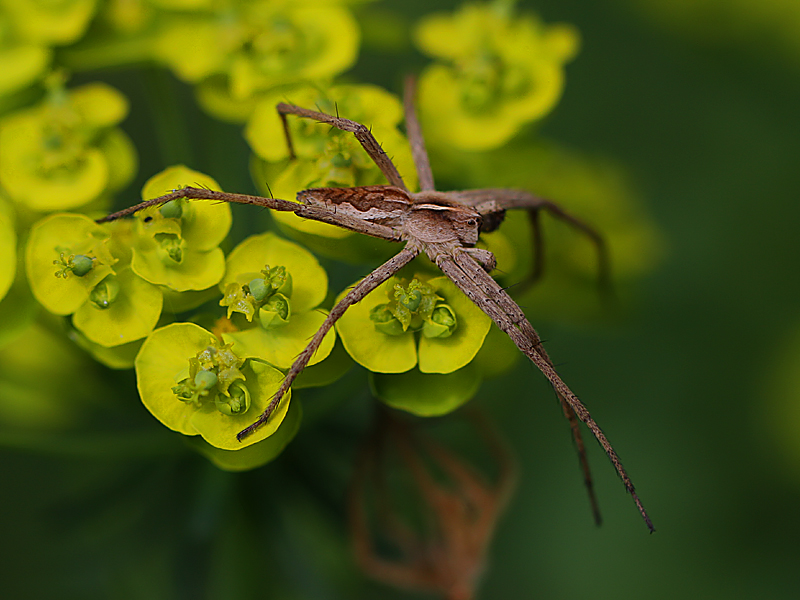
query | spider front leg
[490, 202]
[301, 208]
[362, 288]
[361, 133]
[506, 315]
[193, 193]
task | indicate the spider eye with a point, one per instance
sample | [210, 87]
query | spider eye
[471, 222]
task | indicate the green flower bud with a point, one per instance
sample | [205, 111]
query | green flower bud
[279, 304]
[237, 403]
[105, 293]
[275, 312]
[410, 298]
[278, 279]
[78, 265]
[82, 264]
[205, 380]
[184, 391]
[385, 321]
[172, 209]
[259, 289]
[441, 324]
[195, 391]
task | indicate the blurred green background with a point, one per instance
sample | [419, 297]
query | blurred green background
[688, 385]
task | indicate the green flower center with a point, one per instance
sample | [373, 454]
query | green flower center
[414, 307]
[79, 265]
[266, 296]
[171, 244]
[215, 376]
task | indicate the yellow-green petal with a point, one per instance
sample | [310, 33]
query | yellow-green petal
[8, 248]
[99, 104]
[197, 270]
[426, 395]
[70, 234]
[190, 46]
[280, 346]
[245, 262]
[255, 455]
[21, 137]
[132, 316]
[163, 357]
[50, 22]
[21, 65]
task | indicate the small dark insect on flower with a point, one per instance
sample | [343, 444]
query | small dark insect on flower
[443, 225]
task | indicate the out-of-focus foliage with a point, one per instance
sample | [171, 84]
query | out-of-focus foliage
[66, 151]
[769, 24]
[498, 70]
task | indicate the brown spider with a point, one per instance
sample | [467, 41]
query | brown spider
[443, 225]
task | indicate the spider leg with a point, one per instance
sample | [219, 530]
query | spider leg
[315, 213]
[193, 193]
[361, 132]
[489, 201]
[361, 289]
[495, 306]
[415, 138]
[494, 291]
[538, 251]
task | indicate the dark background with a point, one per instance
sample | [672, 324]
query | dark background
[683, 385]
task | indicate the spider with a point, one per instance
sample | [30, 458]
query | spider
[443, 225]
